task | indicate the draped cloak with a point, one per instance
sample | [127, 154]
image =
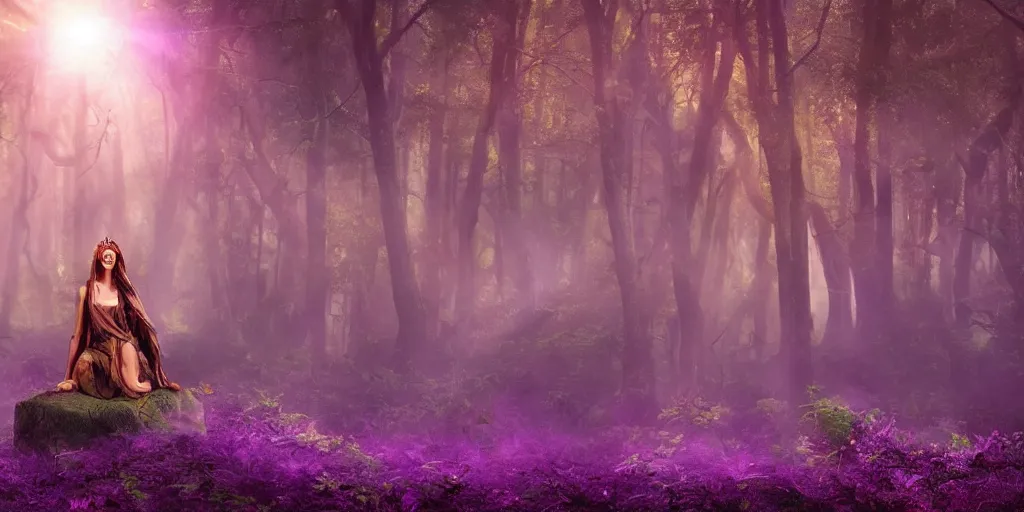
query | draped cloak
[103, 333]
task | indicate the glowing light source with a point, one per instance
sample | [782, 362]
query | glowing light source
[81, 41]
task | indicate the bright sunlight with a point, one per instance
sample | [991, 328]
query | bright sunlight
[80, 40]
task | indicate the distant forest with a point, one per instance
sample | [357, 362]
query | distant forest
[802, 187]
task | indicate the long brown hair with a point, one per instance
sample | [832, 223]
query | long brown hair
[139, 325]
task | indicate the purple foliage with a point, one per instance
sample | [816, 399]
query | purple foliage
[261, 459]
[258, 456]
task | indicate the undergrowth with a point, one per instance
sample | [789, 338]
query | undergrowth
[529, 427]
[260, 456]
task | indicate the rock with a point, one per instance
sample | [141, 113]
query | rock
[53, 421]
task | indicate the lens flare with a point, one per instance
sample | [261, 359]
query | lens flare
[81, 41]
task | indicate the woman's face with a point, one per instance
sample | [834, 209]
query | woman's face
[108, 258]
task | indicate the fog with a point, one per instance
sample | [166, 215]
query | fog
[524, 254]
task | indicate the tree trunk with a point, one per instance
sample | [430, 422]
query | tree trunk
[844, 150]
[716, 257]
[762, 282]
[160, 271]
[168, 229]
[761, 286]
[989, 141]
[861, 247]
[220, 305]
[539, 247]
[81, 222]
[684, 188]
[404, 287]
[19, 222]
[926, 218]
[510, 129]
[947, 195]
[837, 275]
[317, 277]
[613, 121]
[119, 200]
[504, 37]
[882, 39]
[435, 200]
[872, 279]
[777, 133]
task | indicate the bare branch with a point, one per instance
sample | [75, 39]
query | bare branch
[1017, 22]
[99, 147]
[343, 102]
[539, 59]
[818, 30]
[394, 37]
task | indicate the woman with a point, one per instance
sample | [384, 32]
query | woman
[114, 350]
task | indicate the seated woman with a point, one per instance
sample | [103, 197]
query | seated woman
[114, 350]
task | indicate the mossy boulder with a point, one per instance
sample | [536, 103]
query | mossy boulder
[53, 421]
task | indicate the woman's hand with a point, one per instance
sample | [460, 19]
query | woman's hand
[67, 385]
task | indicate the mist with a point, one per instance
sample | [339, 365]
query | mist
[525, 254]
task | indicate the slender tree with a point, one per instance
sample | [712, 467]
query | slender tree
[613, 112]
[360, 17]
[770, 89]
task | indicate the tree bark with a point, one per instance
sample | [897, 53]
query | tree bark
[613, 121]
[19, 222]
[882, 39]
[870, 248]
[510, 129]
[168, 230]
[777, 133]
[317, 277]
[160, 271]
[836, 267]
[947, 195]
[503, 51]
[684, 187]
[76, 178]
[989, 141]
[761, 288]
[211, 166]
[435, 200]
[405, 291]
[118, 206]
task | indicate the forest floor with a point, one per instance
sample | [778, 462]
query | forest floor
[262, 453]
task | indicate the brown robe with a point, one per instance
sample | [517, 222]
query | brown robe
[98, 368]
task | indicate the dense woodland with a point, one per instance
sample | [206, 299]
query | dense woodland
[592, 212]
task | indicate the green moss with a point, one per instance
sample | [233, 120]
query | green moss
[131, 486]
[833, 419]
[959, 443]
[52, 421]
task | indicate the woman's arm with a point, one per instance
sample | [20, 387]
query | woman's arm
[130, 369]
[74, 337]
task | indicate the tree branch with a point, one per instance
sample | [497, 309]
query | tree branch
[99, 147]
[1017, 22]
[394, 37]
[540, 57]
[819, 29]
[345, 101]
[539, 60]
